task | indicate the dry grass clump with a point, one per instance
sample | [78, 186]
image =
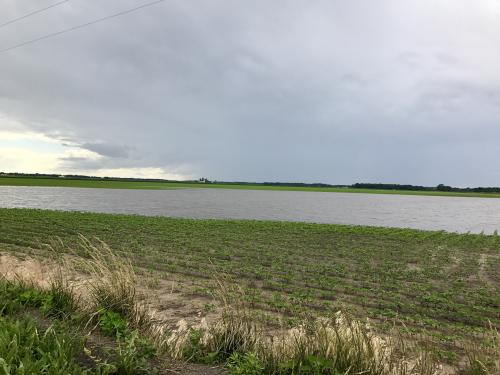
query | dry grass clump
[234, 332]
[484, 359]
[236, 329]
[338, 343]
[112, 282]
[107, 281]
[63, 294]
[112, 286]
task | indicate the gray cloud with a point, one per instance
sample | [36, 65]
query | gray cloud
[79, 163]
[327, 91]
[106, 149]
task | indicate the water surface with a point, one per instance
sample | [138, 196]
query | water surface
[454, 214]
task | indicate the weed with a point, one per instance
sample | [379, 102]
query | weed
[59, 348]
[26, 350]
[112, 323]
[245, 364]
[134, 354]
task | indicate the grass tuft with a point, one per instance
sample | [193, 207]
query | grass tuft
[112, 284]
[484, 358]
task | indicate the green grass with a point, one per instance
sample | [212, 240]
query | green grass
[24, 349]
[34, 340]
[442, 285]
[64, 182]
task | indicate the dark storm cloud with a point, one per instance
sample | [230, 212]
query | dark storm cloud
[328, 91]
[106, 149]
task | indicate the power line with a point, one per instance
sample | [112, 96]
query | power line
[81, 26]
[32, 13]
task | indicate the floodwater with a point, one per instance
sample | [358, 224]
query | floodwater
[454, 214]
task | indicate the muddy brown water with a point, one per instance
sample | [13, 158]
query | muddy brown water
[454, 214]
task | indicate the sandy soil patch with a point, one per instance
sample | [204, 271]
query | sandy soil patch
[170, 301]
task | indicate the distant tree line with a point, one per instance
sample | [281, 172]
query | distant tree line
[440, 187]
[284, 184]
[392, 187]
[81, 177]
[204, 180]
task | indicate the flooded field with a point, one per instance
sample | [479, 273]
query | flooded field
[454, 214]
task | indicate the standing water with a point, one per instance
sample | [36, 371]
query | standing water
[454, 214]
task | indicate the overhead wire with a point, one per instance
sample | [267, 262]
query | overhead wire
[32, 13]
[81, 26]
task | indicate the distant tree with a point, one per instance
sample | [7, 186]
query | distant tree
[442, 187]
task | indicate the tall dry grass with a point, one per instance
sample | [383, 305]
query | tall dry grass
[112, 281]
[106, 281]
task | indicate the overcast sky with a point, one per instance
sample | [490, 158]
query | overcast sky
[313, 91]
